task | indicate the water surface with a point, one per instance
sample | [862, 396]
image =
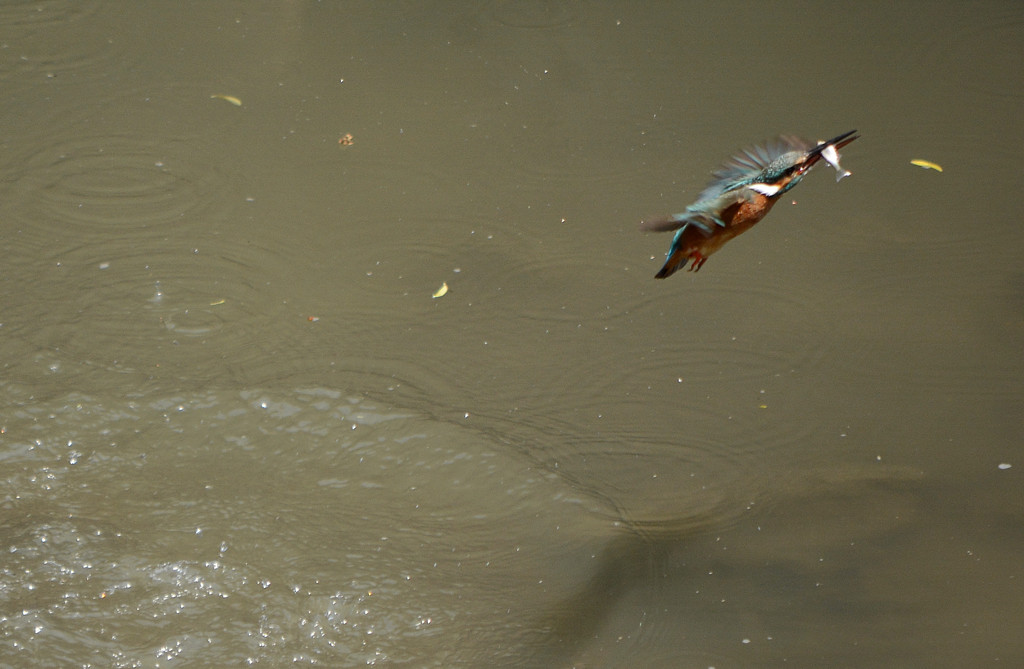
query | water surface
[237, 428]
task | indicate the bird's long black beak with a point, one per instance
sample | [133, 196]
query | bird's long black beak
[842, 140]
[839, 141]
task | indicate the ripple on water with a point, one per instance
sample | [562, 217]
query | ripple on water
[673, 489]
[735, 330]
[588, 421]
[597, 439]
[53, 37]
[533, 14]
[141, 304]
[122, 258]
[45, 13]
[114, 183]
[902, 305]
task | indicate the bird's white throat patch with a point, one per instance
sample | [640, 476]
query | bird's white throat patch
[765, 189]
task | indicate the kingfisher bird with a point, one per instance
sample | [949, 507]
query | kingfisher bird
[742, 191]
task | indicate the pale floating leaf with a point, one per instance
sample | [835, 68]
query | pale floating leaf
[927, 164]
[230, 98]
[442, 291]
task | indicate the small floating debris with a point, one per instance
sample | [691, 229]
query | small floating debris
[346, 140]
[927, 164]
[230, 98]
[216, 303]
[441, 292]
[1005, 465]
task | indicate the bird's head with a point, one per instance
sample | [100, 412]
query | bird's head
[787, 168]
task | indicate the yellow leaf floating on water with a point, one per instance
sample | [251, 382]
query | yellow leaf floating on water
[230, 98]
[442, 291]
[927, 164]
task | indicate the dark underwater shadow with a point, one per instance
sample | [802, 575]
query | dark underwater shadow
[683, 592]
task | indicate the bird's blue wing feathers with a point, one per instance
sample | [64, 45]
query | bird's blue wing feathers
[703, 220]
[725, 188]
[743, 167]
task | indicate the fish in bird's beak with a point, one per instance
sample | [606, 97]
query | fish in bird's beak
[831, 156]
[829, 151]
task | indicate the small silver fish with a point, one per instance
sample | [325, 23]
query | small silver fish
[831, 156]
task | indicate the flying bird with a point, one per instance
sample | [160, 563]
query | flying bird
[741, 193]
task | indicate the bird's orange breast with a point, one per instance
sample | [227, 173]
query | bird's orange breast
[742, 216]
[738, 218]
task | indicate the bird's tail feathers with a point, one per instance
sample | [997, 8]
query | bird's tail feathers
[704, 222]
[668, 269]
[663, 223]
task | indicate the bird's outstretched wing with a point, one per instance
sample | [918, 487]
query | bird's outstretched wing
[700, 220]
[700, 214]
[742, 168]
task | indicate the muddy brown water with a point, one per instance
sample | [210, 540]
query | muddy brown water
[237, 429]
